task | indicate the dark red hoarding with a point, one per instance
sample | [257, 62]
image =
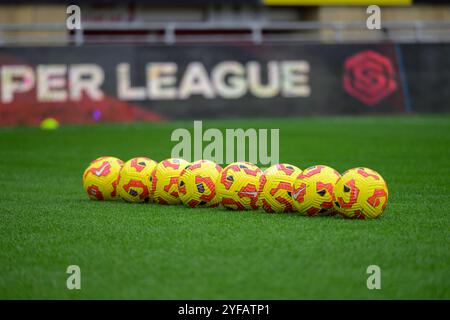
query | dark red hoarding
[120, 83]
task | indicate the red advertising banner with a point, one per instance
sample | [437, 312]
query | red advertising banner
[90, 84]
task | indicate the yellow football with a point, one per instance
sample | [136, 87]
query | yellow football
[100, 178]
[360, 193]
[313, 191]
[276, 187]
[134, 181]
[238, 186]
[197, 184]
[164, 181]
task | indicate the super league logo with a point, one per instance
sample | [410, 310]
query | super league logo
[369, 77]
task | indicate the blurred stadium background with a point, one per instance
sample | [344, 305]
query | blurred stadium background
[342, 66]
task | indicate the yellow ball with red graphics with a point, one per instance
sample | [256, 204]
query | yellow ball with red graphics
[313, 191]
[101, 177]
[361, 193]
[276, 186]
[197, 184]
[134, 181]
[164, 181]
[238, 186]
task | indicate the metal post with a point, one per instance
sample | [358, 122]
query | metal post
[257, 35]
[169, 34]
[418, 26]
[79, 37]
[337, 32]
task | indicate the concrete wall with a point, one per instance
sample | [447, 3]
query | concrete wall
[32, 14]
[413, 13]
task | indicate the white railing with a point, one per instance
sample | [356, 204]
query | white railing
[255, 32]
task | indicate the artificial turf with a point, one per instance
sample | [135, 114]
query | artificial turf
[172, 252]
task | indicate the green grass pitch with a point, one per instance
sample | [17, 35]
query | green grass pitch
[159, 252]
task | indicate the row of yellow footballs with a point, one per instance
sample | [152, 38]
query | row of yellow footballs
[318, 190]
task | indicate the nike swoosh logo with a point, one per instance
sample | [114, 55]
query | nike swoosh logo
[249, 193]
[296, 194]
[100, 171]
